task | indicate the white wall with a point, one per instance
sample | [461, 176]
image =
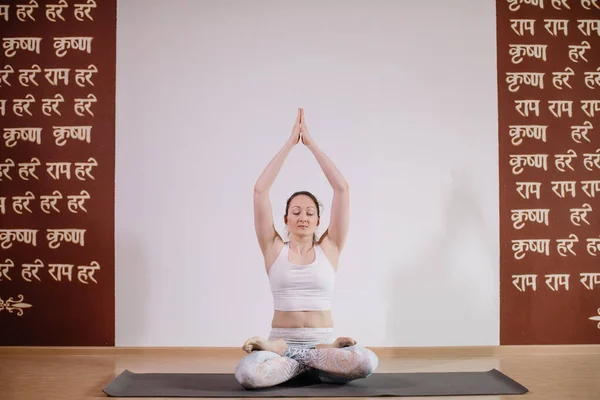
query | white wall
[400, 94]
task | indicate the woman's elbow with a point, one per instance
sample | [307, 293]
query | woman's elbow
[342, 188]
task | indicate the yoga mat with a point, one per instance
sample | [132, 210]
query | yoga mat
[493, 382]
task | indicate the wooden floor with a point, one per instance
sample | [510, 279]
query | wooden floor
[549, 372]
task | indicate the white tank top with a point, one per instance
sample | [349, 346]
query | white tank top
[302, 287]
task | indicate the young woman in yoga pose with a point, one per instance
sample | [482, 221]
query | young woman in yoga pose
[302, 275]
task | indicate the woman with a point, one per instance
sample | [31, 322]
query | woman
[302, 276]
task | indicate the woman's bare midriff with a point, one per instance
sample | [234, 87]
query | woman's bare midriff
[302, 319]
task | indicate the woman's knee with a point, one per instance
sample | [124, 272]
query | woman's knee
[246, 372]
[245, 377]
[368, 361]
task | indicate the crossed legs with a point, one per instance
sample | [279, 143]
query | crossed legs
[336, 365]
[273, 362]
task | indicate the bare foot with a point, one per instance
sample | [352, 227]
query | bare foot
[257, 343]
[338, 344]
[344, 342]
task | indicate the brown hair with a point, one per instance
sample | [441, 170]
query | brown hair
[312, 197]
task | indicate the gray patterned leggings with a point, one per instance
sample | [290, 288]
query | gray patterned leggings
[332, 365]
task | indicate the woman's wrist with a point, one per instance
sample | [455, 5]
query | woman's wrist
[289, 144]
[313, 147]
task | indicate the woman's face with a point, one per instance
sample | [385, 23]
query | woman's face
[302, 218]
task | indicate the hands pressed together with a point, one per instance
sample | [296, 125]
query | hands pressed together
[300, 131]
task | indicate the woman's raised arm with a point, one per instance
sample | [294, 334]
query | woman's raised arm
[263, 213]
[340, 206]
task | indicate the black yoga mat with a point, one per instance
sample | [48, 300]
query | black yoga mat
[493, 382]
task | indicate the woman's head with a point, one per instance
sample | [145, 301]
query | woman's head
[302, 214]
